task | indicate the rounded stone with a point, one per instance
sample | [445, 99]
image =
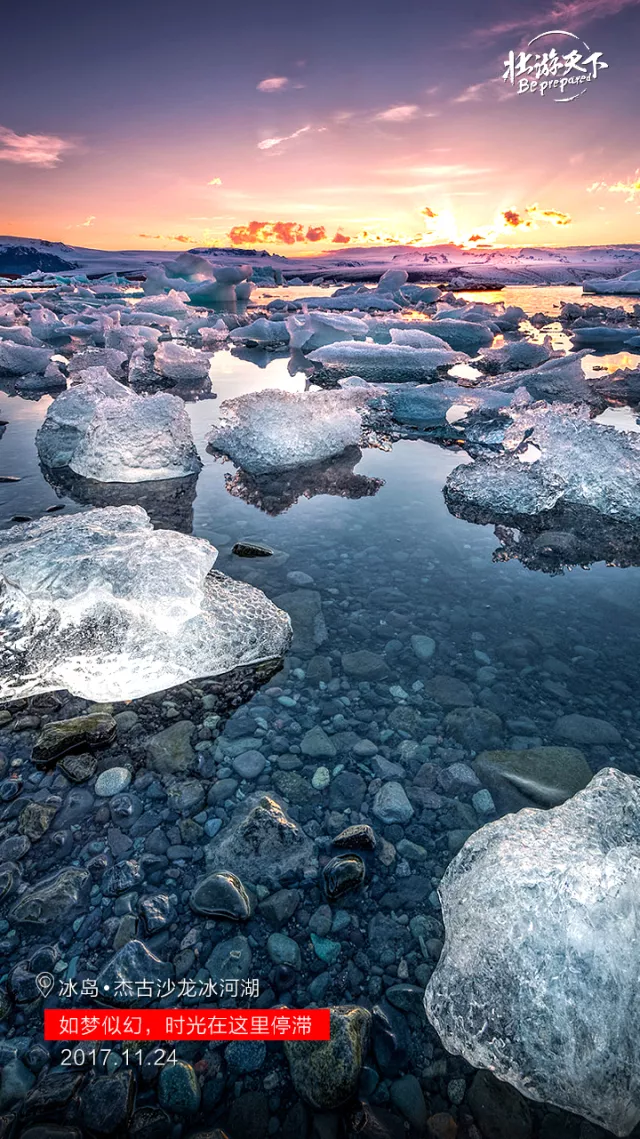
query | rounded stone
[249, 765]
[321, 778]
[423, 647]
[221, 895]
[112, 782]
[391, 804]
[178, 1088]
[283, 950]
[343, 873]
[245, 1055]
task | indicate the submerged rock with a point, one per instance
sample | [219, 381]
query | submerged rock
[325, 1072]
[53, 898]
[101, 604]
[342, 874]
[221, 895]
[98, 729]
[533, 777]
[538, 976]
[263, 845]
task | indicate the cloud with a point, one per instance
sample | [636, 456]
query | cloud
[277, 83]
[182, 237]
[488, 89]
[340, 239]
[43, 150]
[281, 232]
[89, 221]
[533, 214]
[571, 14]
[269, 143]
[476, 237]
[631, 187]
[215, 182]
[428, 212]
[399, 114]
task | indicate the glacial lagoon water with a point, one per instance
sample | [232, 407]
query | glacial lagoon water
[371, 540]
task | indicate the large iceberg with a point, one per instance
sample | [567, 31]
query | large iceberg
[103, 605]
[626, 285]
[554, 455]
[316, 329]
[538, 978]
[102, 430]
[384, 362]
[275, 430]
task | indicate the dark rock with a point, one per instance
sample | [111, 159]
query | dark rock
[364, 665]
[79, 768]
[170, 751]
[390, 1039]
[263, 845]
[325, 1073]
[178, 1088]
[63, 736]
[121, 878]
[279, 907]
[450, 692]
[107, 1102]
[221, 895]
[134, 963]
[35, 819]
[586, 730]
[348, 789]
[52, 898]
[533, 777]
[149, 1123]
[156, 912]
[247, 549]
[249, 1116]
[53, 1091]
[358, 837]
[475, 728]
[230, 959]
[375, 1123]
[498, 1109]
[342, 874]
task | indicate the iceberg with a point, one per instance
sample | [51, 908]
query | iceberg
[104, 606]
[559, 379]
[603, 335]
[516, 355]
[267, 333]
[435, 405]
[102, 430]
[462, 335]
[554, 455]
[626, 285]
[417, 338]
[275, 430]
[315, 330]
[178, 362]
[538, 977]
[384, 362]
[20, 359]
[276, 492]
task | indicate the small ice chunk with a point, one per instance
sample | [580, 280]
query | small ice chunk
[171, 305]
[602, 335]
[463, 335]
[178, 362]
[518, 354]
[274, 430]
[538, 978]
[101, 604]
[384, 362]
[429, 405]
[128, 337]
[102, 430]
[272, 333]
[417, 338]
[392, 280]
[315, 330]
[20, 359]
[580, 463]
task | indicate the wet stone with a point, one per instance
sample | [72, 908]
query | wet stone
[279, 907]
[247, 549]
[358, 837]
[15, 1081]
[14, 848]
[342, 874]
[178, 1088]
[283, 950]
[450, 692]
[63, 736]
[364, 665]
[78, 768]
[107, 1102]
[10, 879]
[539, 776]
[586, 730]
[316, 744]
[249, 765]
[221, 895]
[170, 751]
[149, 1123]
[391, 804]
[231, 959]
[122, 877]
[52, 899]
[245, 1055]
[263, 844]
[475, 728]
[325, 1073]
[156, 912]
[131, 965]
[112, 782]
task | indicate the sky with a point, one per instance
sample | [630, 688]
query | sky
[303, 128]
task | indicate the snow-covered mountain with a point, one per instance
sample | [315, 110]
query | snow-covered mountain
[445, 263]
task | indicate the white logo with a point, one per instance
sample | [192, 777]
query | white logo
[549, 72]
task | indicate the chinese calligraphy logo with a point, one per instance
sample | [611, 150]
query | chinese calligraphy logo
[565, 77]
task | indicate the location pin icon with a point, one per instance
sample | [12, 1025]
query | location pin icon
[45, 983]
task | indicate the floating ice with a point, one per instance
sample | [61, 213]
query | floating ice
[417, 338]
[602, 335]
[392, 280]
[431, 405]
[103, 605]
[126, 338]
[380, 362]
[20, 359]
[538, 978]
[273, 333]
[559, 379]
[171, 305]
[462, 335]
[274, 430]
[626, 285]
[315, 330]
[516, 355]
[178, 362]
[104, 431]
[360, 301]
[554, 455]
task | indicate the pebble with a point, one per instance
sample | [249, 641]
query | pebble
[178, 1088]
[391, 804]
[221, 895]
[249, 764]
[316, 744]
[283, 950]
[424, 647]
[321, 778]
[343, 874]
[112, 781]
[245, 1055]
